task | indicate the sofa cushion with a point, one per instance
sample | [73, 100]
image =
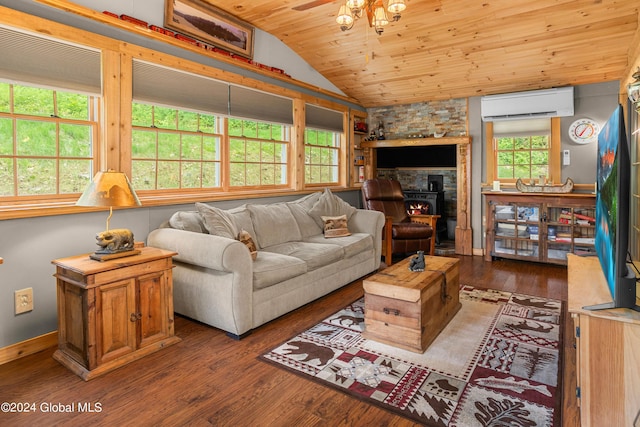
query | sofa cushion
[217, 221]
[274, 224]
[300, 209]
[335, 226]
[270, 268]
[242, 220]
[330, 205]
[187, 221]
[352, 245]
[315, 255]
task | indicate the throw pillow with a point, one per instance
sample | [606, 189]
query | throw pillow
[245, 238]
[335, 226]
[187, 221]
[217, 221]
[330, 205]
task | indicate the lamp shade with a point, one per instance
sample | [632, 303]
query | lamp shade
[109, 189]
[633, 89]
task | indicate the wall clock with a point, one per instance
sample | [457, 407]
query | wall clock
[584, 131]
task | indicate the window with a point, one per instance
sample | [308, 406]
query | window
[258, 153]
[322, 147]
[524, 149]
[522, 157]
[322, 153]
[47, 141]
[174, 149]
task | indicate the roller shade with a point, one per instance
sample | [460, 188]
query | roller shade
[527, 127]
[323, 118]
[160, 85]
[31, 59]
[252, 104]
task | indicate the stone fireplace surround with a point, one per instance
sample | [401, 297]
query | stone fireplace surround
[463, 231]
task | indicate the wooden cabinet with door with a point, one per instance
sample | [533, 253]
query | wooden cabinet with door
[541, 227]
[113, 312]
[607, 343]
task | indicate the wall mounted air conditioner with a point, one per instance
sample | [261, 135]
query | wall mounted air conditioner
[528, 105]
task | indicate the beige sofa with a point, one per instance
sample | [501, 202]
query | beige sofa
[217, 282]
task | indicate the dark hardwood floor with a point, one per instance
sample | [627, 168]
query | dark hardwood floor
[210, 379]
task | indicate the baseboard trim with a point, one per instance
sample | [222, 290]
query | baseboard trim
[30, 346]
[478, 252]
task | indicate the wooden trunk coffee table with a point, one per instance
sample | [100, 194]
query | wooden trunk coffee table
[408, 309]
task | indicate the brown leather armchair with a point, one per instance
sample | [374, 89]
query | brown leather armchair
[400, 234]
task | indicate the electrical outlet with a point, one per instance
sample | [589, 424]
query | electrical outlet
[24, 300]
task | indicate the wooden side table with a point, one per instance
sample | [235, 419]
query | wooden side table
[113, 312]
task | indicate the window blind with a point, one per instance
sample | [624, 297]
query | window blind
[526, 127]
[166, 86]
[252, 104]
[323, 118]
[35, 60]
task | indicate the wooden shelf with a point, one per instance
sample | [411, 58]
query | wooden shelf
[416, 142]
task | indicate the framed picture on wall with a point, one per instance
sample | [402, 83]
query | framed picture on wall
[209, 24]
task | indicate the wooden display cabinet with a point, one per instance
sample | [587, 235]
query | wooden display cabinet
[113, 312]
[541, 227]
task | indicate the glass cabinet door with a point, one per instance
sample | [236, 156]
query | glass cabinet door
[569, 230]
[516, 230]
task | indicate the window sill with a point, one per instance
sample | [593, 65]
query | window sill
[67, 207]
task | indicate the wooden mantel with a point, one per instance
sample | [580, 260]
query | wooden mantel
[464, 234]
[416, 142]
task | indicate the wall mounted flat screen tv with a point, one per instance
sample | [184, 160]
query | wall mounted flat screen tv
[613, 196]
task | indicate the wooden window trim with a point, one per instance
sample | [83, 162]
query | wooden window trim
[555, 145]
[114, 128]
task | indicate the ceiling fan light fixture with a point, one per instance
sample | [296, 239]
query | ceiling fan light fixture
[351, 10]
[355, 4]
[396, 6]
[380, 17]
[345, 18]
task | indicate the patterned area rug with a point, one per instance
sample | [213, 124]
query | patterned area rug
[496, 363]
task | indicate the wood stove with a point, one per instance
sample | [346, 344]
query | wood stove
[418, 201]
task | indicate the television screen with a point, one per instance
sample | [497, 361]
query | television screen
[612, 211]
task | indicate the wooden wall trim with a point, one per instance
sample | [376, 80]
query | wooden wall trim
[464, 232]
[30, 346]
[102, 18]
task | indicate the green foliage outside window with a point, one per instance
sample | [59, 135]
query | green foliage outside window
[522, 157]
[322, 149]
[258, 153]
[173, 149]
[46, 141]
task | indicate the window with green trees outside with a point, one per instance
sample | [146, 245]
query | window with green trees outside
[322, 154]
[47, 141]
[525, 157]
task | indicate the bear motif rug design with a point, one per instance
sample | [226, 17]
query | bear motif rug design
[496, 363]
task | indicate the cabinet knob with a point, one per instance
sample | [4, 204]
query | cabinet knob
[135, 317]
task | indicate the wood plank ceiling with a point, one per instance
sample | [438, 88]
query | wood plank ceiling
[443, 49]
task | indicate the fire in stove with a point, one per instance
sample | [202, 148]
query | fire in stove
[418, 208]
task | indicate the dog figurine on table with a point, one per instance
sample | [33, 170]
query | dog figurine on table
[417, 262]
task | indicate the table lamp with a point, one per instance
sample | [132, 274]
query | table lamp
[111, 189]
